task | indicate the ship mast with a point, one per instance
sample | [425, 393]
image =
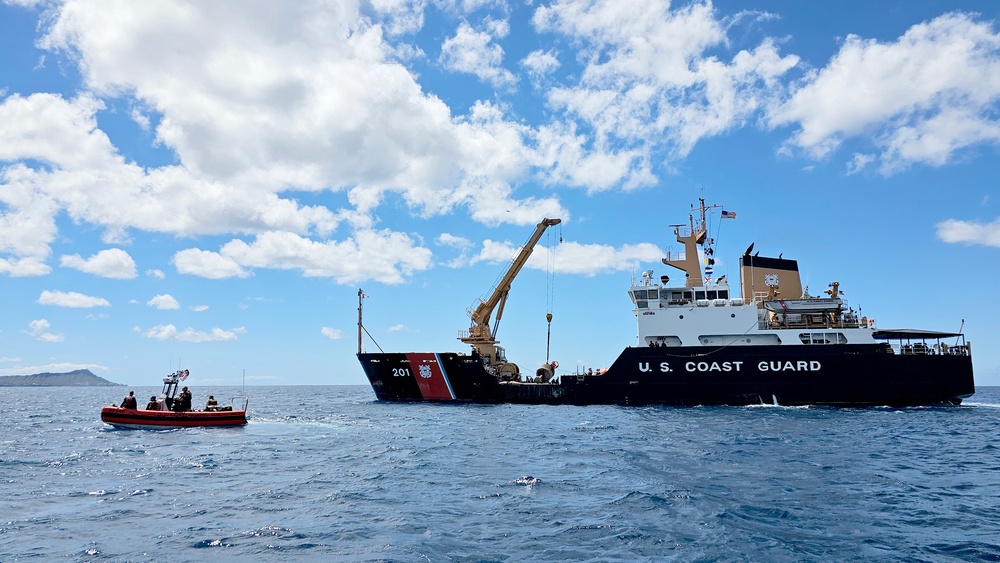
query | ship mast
[482, 339]
[361, 296]
[691, 239]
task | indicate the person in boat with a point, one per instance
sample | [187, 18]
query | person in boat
[153, 404]
[184, 400]
[212, 404]
[129, 402]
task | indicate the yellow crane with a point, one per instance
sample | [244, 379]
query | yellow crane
[482, 339]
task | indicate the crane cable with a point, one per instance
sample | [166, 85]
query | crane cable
[550, 272]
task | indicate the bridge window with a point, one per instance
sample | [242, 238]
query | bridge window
[822, 338]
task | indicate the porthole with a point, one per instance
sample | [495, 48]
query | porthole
[732, 315]
[681, 317]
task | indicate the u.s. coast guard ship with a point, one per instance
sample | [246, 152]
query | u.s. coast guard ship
[701, 342]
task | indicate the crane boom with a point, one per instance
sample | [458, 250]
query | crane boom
[480, 336]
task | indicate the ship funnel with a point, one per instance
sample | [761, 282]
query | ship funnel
[664, 280]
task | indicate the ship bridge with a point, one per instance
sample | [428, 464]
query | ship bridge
[691, 316]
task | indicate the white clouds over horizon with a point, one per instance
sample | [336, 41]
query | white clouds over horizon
[163, 302]
[170, 332]
[112, 263]
[71, 299]
[574, 258]
[970, 232]
[384, 256]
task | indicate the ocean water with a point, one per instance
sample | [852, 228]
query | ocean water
[326, 473]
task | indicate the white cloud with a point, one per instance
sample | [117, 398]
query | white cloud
[39, 329]
[970, 232]
[463, 244]
[170, 332]
[199, 308]
[24, 267]
[400, 16]
[71, 299]
[540, 63]
[648, 80]
[87, 178]
[575, 258]
[154, 273]
[859, 162]
[383, 256]
[164, 302]
[112, 263]
[290, 109]
[332, 333]
[396, 328]
[207, 264]
[474, 52]
[923, 97]
[26, 3]
[448, 239]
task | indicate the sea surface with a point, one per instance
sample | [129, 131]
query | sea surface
[326, 473]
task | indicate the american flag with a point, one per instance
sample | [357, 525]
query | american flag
[728, 214]
[184, 374]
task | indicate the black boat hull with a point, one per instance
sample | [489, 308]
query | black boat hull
[848, 375]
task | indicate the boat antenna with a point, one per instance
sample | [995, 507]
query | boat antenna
[962, 326]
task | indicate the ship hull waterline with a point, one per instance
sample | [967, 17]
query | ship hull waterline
[838, 375]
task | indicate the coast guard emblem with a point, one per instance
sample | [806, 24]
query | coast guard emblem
[425, 371]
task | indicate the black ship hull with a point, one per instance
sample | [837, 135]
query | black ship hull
[846, 375]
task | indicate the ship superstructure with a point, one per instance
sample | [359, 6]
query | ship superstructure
[770, 307]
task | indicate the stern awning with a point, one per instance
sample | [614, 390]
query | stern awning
[912, 334]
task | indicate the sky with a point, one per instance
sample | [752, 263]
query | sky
[207, 185]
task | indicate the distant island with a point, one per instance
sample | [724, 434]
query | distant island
[77, 378]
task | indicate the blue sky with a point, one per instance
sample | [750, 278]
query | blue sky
[207, 184]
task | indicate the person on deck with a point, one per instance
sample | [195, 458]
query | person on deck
[185, 400]
[153, 404]
[129, 402]
[212, 404]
